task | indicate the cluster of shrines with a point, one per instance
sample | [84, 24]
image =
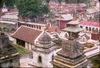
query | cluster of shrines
[63, 13]
[41, 41]
[45, 52]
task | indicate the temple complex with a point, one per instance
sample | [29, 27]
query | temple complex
[71, 55]
[9, 57]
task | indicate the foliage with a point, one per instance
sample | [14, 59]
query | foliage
[31, 9]
[47, 1]
[45, 9]
[21, 51]
[51, 15]
[96, 61]
[58, 41]
[7, 3]
[60, 1]
[1, 3]
[10, 3]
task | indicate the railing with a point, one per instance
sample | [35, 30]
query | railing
[11, 20]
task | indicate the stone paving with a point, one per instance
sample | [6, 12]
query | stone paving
[24, 62]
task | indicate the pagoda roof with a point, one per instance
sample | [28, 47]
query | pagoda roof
[74, 22]
[73, 29]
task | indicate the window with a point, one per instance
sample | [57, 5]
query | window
[81, 26]
[40, 59]
[89, 28]
[52, 57]
[34, 26]
[93, 29]
[39, 27]
[86, 28]
[96, 29]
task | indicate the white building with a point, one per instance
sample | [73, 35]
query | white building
[90, 26]
[44, 51]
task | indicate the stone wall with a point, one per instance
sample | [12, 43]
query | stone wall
[11, 63]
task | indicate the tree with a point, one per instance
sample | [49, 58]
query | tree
[70, 1]
[7, 3]
[60, 1]
[47, 1]
[66, 1]
[1, 3]
[31, 9]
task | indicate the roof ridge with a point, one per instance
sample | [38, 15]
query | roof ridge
[30, 27]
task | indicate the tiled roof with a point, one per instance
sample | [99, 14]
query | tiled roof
[73, 22]
[27, 34]
[73, 29]
[65, 17]
[94, 24]
[51, 29]
[92, 10]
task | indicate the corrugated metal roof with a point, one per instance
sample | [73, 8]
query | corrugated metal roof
[67, 17]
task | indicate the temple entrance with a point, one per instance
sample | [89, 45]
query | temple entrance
[20, 42]
[39, 59]
[0, 67]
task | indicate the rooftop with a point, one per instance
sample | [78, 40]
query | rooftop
[27, 34]
[73, 29]
[45, 38]
[73, 22]
[88, 23]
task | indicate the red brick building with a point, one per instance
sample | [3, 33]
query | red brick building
[95, 36]
[63, 19]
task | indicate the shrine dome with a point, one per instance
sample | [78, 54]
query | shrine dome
[44, 38]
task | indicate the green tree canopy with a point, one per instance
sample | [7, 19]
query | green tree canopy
[7, 3]
[31, 8]
[60, 1]
[47, 1]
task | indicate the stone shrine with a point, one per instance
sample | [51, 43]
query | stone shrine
[44, 51]
[71, 55]
[9, 57]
